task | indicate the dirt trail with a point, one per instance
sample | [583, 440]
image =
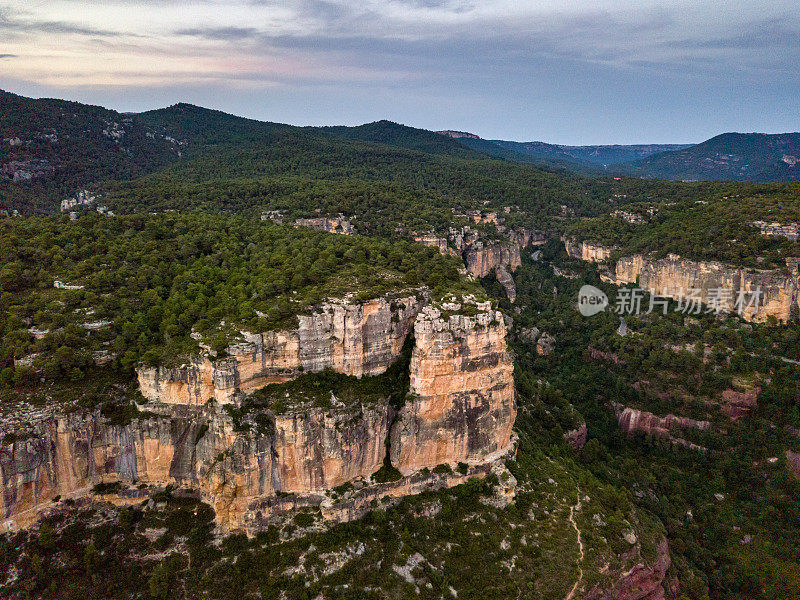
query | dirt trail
[575, 587]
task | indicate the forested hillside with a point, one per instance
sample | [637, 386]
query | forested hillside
[730, 156]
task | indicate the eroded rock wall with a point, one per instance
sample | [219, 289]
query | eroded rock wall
[461, 409]
[462, 406]
[481, 258]
[588, 251]
[674, 277]
[350, 338]
[300, 453]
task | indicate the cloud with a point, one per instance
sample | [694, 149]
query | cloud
[221, 33]
[760, 35]
[8, 56]
[8, 25]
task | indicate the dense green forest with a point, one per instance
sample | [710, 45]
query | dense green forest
[143, 283]
[714, 222]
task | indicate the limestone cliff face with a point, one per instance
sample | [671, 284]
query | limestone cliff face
[301, 453]
[588, 251]
[350, 338]
[461, 407]
[481, 258]
[65, 456]
[674, 277]
[462, 410]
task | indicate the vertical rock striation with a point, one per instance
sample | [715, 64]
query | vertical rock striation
[676, 277]
[461, 407]
[588, 251]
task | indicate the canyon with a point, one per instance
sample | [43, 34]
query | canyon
[460, 412]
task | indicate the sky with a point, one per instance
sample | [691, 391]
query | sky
[570, 72]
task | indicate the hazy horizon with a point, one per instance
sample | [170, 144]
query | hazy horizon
[585, 73]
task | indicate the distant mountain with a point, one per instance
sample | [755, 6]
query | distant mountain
[585, 159]
[602, 156]
[757, 157]
[401, 136]
[51, 149]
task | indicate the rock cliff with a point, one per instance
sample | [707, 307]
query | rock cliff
[588, 251]
[350, 338]
[631, 420]
[481, 258]
[675, 277]
[461, 407]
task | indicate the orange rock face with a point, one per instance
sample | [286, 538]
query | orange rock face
[674, 277]
[354, 339]
[588, 251]
[461, 407]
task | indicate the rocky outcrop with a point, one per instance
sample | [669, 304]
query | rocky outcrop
[588, 251]
[481, 258]
[576, 438]
[505, 279]
[631, 420]
[349, 338]
[339, 224]
[736, 405]
[774, 229]
[434, 241]
[644, 581]
[461, 407]
[249, 466]
[545, 344]
[675, 277]
[298, 453]
[526, 237]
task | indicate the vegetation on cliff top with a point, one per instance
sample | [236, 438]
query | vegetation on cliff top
[139, 285]
[715, 223]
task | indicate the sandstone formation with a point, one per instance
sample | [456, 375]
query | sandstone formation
[576, 438]
[483, 256]
[736, 405]
[588, 251]
[350, 338]
[461, 407]
[645, 581]
[675, 277]
[631, 420]
[248, 468]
